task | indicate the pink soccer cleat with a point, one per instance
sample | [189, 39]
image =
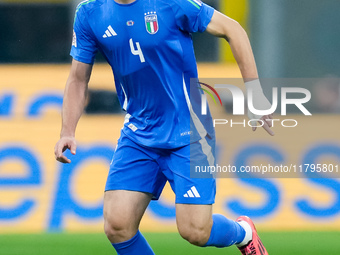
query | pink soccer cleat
[254, 246]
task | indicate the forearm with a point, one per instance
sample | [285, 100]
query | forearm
[75, 97]
[73, 106]
[243, 54]
[227, 28]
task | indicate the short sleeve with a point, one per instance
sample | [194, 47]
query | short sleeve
[84, 46]
[192, 15]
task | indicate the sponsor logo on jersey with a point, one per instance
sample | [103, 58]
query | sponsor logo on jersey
[151, 22]
[109, 32]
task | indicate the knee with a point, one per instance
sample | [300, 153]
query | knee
[196, 235]
[118, 230]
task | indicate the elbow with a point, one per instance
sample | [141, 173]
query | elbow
[235, 32]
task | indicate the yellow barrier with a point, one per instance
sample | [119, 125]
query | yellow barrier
[38, 194]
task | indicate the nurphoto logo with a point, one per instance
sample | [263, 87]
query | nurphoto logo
[239, 101]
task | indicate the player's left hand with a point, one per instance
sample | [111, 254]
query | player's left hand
[266, 120]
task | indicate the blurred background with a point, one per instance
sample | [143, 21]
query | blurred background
[49, 207]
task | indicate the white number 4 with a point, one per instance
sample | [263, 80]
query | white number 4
[138, 51]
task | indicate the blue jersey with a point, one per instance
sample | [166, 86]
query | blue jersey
[149, 47]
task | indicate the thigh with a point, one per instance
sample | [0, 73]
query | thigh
[135, 168]
[124, 209]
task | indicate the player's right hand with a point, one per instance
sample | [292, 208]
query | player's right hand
[62, 145]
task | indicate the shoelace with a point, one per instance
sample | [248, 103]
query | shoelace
[249, 250]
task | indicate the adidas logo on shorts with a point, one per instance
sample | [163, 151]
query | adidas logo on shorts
[192, 192]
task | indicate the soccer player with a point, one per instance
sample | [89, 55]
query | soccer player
[149, 47]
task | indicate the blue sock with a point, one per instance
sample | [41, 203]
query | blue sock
[135, 246]
[225, 232]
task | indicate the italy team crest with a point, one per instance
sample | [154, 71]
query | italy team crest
[151, 22]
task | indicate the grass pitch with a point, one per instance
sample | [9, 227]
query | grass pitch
[277, 243]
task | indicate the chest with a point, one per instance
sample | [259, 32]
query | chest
[120, 29]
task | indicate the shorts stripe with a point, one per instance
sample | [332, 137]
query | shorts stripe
[197, 123]
[206, 148]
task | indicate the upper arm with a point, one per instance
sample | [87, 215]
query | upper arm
[80, 72]
[223, 26]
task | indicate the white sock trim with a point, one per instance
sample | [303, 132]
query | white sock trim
[249, 233]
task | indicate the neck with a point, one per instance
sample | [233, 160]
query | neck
[124, 1]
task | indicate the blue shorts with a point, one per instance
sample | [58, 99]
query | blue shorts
[138, 168]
